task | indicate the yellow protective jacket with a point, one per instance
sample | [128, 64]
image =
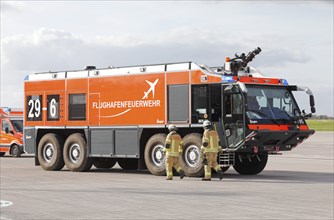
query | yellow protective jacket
[173, 144]
[211, 140]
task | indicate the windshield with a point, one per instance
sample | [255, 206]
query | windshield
[274, 104]
[18, 125]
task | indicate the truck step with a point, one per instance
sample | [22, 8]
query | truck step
[227, 159]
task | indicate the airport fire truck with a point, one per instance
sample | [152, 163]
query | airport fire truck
[11, 131]
[120, 114]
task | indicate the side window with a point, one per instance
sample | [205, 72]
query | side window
[200, 103]
[77, 107]
[228, 105]
[237, 104]
[53, 107]
[5, 124]
[233, 103]
[34, 107]
[215, 103]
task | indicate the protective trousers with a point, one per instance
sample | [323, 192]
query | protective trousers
[212, 162]
[170, 163]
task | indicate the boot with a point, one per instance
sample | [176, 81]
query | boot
[206, 179]
[182, 175]
[169, 178]
[220, 174]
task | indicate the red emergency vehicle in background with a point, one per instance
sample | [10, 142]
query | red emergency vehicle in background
[120, 114]
[11, 131]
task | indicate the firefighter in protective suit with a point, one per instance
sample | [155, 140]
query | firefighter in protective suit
[172, 149]
[210, 149]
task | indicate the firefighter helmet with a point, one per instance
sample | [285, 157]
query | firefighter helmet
[172, 127]
[207, 124]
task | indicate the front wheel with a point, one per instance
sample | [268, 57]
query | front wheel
[246, 164]
[154, 156]
[191, 161]
[16, 151]
[76, 153]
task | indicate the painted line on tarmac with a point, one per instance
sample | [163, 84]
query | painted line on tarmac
[4, 204]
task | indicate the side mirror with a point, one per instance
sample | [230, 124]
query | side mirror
[242, 87]
[312, 103]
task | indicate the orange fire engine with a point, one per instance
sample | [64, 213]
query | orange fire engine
[120, 114]
[11, 131]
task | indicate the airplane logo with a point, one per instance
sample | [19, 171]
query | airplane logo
[151, 89]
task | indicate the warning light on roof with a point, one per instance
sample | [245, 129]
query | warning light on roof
[227, 79]
[227, 64]
[284, 82]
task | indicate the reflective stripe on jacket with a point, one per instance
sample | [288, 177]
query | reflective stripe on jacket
[175, 141]
[211, 137]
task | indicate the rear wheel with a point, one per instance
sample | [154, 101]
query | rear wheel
[50, 152]
[154, 156]
[76, 153]
[191, 161]
[246, 164]
[105, 163]
[15, 151]
[128, 163]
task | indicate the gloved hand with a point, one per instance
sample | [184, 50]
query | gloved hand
[205, 161]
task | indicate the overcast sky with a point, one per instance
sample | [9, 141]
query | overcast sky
[296, 38]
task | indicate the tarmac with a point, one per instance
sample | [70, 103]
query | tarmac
[295, 185]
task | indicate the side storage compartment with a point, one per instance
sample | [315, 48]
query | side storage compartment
[114, 142]
[127, 143]
[29, 145]
[102, 142]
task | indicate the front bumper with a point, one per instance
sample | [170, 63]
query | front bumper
[274, 141]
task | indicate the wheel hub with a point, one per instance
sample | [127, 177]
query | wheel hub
[192, 156]
[48, 152]
[157, 155]
[75, 153]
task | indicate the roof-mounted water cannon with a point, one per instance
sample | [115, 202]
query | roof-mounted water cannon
[240, 61]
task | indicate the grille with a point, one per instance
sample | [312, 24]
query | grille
[226, 159]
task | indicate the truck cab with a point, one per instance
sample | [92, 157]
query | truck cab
[11, 132]
[260, 116]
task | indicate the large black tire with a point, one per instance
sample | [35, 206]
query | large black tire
[128, 163]
[75, 153]
[191, 161]
[154, 157]
[15, 151]
[50, 152]
[250, 165]
[2, 154]
[105, 163]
